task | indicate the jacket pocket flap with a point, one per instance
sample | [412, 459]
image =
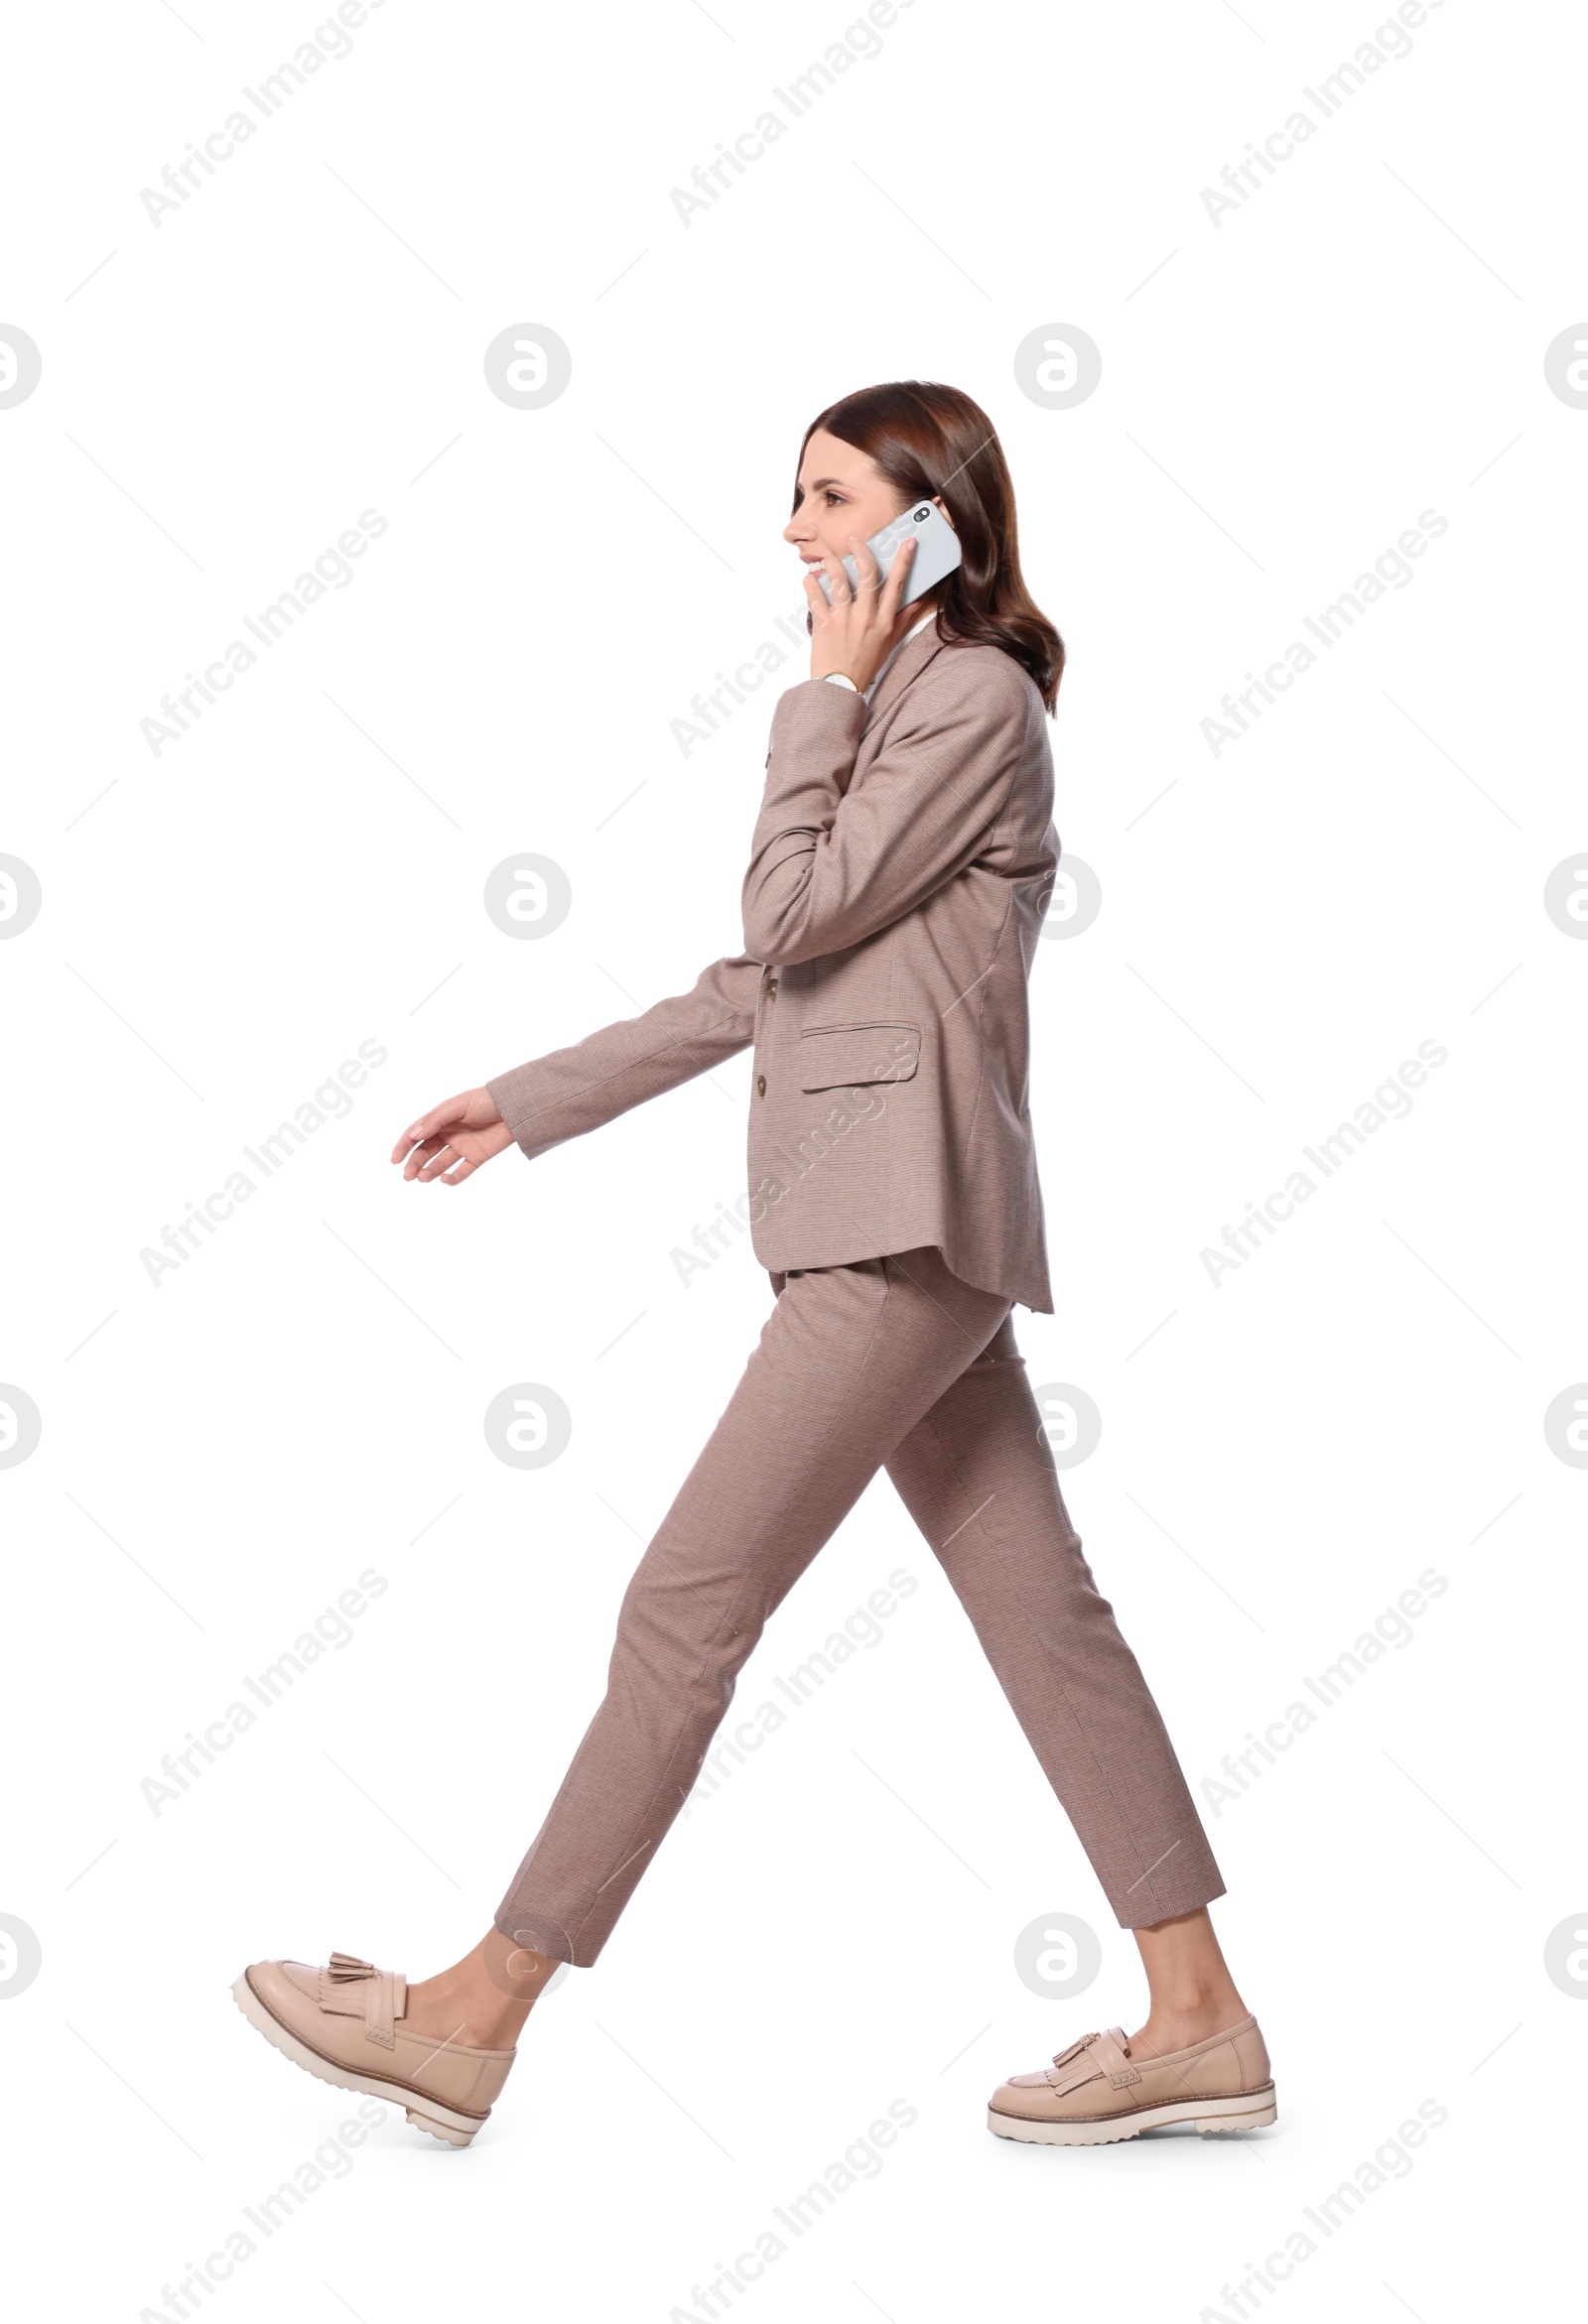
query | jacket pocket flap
[846, 1057]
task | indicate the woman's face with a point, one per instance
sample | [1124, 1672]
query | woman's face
[842, 491]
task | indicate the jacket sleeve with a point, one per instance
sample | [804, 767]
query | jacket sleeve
[829, 866]
[572, 1091]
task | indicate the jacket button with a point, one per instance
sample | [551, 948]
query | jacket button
[771, 989]
[760, 1085]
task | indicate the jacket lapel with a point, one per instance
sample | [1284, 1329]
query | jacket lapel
[910, 660]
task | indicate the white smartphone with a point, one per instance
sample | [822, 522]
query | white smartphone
[937, 551]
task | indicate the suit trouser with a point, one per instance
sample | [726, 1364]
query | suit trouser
[891, 1361]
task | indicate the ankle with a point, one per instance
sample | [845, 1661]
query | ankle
[1190, 1990]
[1217, 1999]
[482, 2000]
[1178, 2022]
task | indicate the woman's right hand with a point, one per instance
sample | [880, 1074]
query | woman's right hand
[453, 1139]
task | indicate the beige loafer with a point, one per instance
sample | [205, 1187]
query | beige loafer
[344, 2023]
[1096, 2092]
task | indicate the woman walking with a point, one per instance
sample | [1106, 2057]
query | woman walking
[899, 869]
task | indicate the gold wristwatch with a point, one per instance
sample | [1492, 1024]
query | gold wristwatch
[837, 678]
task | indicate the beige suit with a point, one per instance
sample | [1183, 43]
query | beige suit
[896, 884]
[899, 871]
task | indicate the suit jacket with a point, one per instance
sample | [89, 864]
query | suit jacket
[899, 871]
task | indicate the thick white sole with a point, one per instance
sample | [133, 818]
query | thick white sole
[426, 2114]
[1250, 2110]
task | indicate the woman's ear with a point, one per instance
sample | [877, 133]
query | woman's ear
[937, 503]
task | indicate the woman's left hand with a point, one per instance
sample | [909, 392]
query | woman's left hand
[859, 629]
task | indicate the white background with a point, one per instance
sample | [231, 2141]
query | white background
[1282, 394]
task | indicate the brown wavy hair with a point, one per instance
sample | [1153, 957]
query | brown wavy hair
[933, 443]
